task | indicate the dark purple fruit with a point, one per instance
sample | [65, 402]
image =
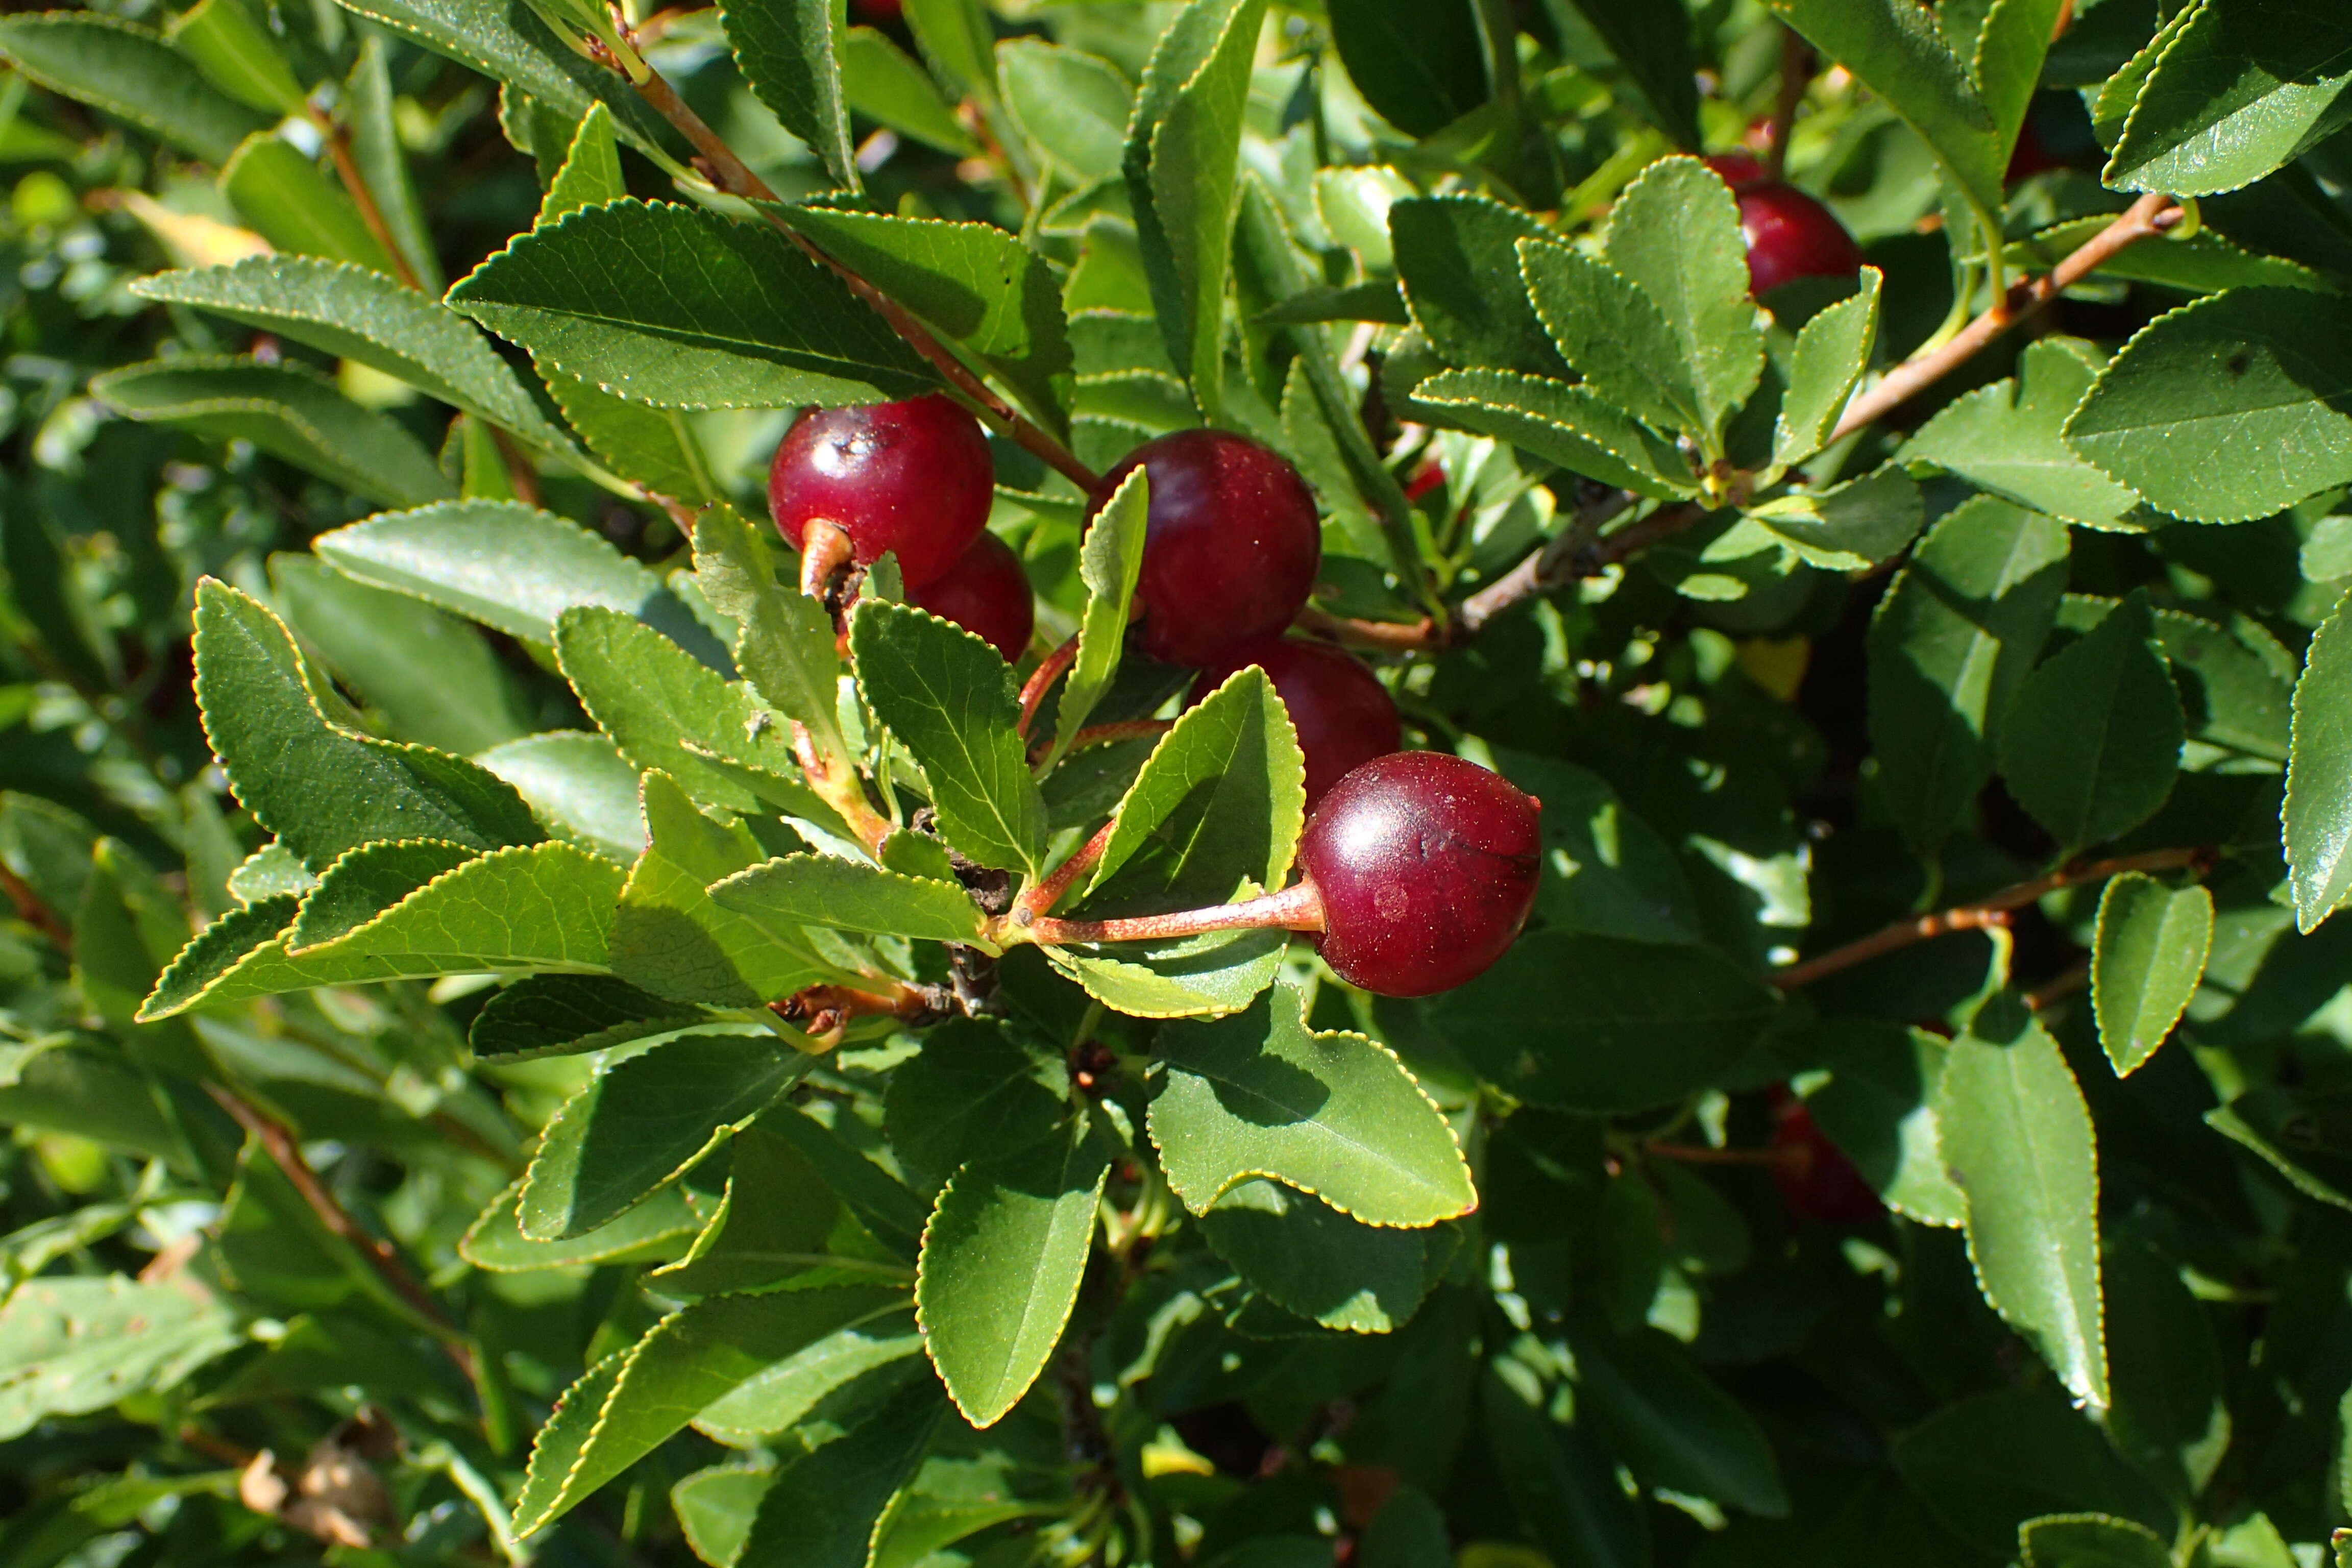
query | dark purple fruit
[1789, 234]
[987, 594]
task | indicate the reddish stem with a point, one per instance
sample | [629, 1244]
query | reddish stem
[1042, 898]
[1298, 907]
[1127, 730]
[1041, 680]
[1389, 636]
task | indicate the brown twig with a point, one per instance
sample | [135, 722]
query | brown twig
[825, 1012]
[1700, 1154]
[1388, 636]
[1796, 71]
[1125, 729]
[1041, 680]
[1578, 551]
[1297, 908]
[339, 148]
[33, 912]
[2151, 215]
[1992, 911]
[731, 174]
[279, 1144]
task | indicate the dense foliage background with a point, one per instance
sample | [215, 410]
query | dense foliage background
[1913, 1127]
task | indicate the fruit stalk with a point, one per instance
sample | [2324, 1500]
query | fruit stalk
[1297, 908]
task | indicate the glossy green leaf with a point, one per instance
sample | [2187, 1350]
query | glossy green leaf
[883, 83]
[1879, 1109]
[883, 1204]
[285, 197]
[568, 1015]
[2014, 1131]
[2091, 742]
[578, 786]
[1333, 1115]
[1192, 977]
[680, 309]
[950, 697]
[629, 1403]
[1452, 254]
[1560, 423]
[785, 648]
[781, 1396]
[785, 50]
[1832, 351]
[2145, 961]
[957, 39]
[1675, 234]
[1001, 1263]
[71, 1346]
[364, 882]
[132, 74]
[1949, 645]
[1612, 335]
[1594, 1023]
[236, 52]
[2317, 817]
[2301, 1136]
[2240, 89]
[1673, 1426]
[2005, 438]
[1606, 871]
[1986, 1463]
[773, 1228]
[2253, 369]
[1311, 1259]
[826, 1509]
[2203, 263]
[656, 1230]
[1845, 528]
[1421, 63]
[1074, 106]
[370, 108]
[974, 1090]
[1110, 559]
[670, 938]
[2090, 1541]
[818, 890]
[288, 413]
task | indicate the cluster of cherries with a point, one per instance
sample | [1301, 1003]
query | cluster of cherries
[1424, 864]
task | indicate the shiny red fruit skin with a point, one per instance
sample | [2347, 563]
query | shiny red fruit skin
[879, 10]
[914, 478]
[1344, 716]
[1789, 235]
[1231, 543]
[1426, 865]
[1815, 1178]
[987, 594]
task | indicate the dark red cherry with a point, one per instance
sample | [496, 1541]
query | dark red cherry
[986, 594]
[1426, 865]
[2029, 157]
[1789, 234]
[1815, 1178]
[1231, 543]
[914, 478]
[879, 10]
[1344, 716]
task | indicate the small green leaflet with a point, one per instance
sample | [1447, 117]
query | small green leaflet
[1569, 426]
[2317, 817]
[1110, 558]
[1832, 351]
[795, 890]
[1675, 234]
[2145, 961]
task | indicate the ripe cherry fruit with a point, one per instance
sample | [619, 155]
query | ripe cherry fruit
[1789, 234]
[1426, 867]
[1231, 542]
[1344, 716]
[1815, 1178]
[986, 594]
[913, 477]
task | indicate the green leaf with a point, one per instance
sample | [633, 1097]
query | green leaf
[1001, 1263]
[950, 699]
[1182, 164]
[1311, 1259]
[655, 1230]
[1562, 1483]
[1675, 234]
[364, 882]
[1217, 808]
[1832, 348]
[1421, 63]
[2203, 263]
[547, 906]
[370, 108]
[628, 1404]
[883, 1204]
[972, 1090]
[2302, 1136]
[2006, 65]
[591, 173]
[72, 1346]
[1560, 423]
[2005, 438]
[667, 710]
[773, 1228]
[975, 283]
[431, 675]
[782, 1396]
[1986, 1463]
[1657, 60]
[238, 54]
[283, 196]
[2170, 1415]
[785, 50]
[2240, 89]
[1612, 334]
[321, 788]
[1450, 253]
[1879, 1109]
[817, 889]
[2091, 742]
[2316, 821]
[287, 412]
[2253, 369]
[1949, 645]
[2015, 1132]
[1607, 872]
[826, 1510]
[1334, 1115]
[578, 786]
[1072, 106]
[956, 39]
[132, 74]
[785, 648]
[358, 315]
[1846, 528]
[655, 447]
[1110, 559]
[1673, 1427]
[1198, 976]
[2145, 961]
[568, 1015]
[645, 1121]
[677, 307]
[883, 83]
[2090, 1541]
[1594, 1023]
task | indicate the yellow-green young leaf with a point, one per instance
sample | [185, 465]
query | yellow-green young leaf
[828, 1508]
[1072, 106]
[2240, 89]
[631, 1402]
[1260, 1094]
[2145, 961]
[2090, 1541]
[654, 1231]
[796, 890]
[1560, 423]
[950, 699]
[644, 1122]
[1313, 1261]
[2317, 815]
[1824, 367]
[785, 50]
[71, 1346]
[1002, 1260]
[590, 174]
[579, 787]
[2005, 438]
[1673, 1427]
[238, 54]
[1595, 1023]
[2091, 742]
[1421, 63]
[883, 83]
[677, 308]
[132, 74]
[1675, 234]
[1457, 256]
[2015, 1132]
[282, 195]
[2253, 369]
[287, 412]
[568, 1015]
